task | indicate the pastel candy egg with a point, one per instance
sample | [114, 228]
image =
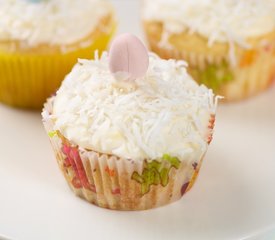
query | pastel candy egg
[128, 55]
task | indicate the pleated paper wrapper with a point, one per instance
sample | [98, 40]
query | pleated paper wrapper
[117, 183]
[27, 79]
[253, 72]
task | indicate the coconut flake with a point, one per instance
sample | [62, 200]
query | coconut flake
[230, 21]
[50, 22]
[167, 112]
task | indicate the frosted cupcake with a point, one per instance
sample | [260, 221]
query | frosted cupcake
[229, 45]
[40, 42]
[126, 137]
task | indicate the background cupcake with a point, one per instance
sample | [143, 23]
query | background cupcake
[229, 45]
[41, 40]
[128, 138]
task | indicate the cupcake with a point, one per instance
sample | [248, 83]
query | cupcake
[229, 45]
[40, 42]
[130, 130]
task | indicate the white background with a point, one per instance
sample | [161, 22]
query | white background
[233, 198]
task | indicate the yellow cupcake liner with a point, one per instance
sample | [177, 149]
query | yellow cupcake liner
[27, 79]
[253, 73]
[112, 182]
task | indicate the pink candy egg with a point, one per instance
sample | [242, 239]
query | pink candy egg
[128, 55]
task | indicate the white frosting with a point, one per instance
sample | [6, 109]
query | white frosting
[217, 20]
[50, 21]
[164, 112]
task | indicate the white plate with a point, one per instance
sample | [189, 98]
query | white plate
[234, 197]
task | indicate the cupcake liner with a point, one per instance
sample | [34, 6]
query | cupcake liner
[27, 79]
[118, 183]
[253, 73]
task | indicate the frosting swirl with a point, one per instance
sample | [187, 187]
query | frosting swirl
[52, 22]
[217, 20]
[164, 112]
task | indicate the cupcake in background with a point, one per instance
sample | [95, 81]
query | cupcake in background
[229, 45]
[125, 137]
[40, 41]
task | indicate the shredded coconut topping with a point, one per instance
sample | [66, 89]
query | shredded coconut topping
[50, 21]
[218, 20]
[166, 112]
[230, 21]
